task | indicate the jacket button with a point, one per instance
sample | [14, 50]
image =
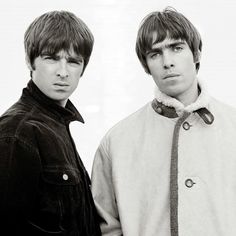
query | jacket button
[65, 176]
[159, 110]
[186, 125]
[189, 183]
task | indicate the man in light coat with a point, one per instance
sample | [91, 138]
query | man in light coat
[169, 168]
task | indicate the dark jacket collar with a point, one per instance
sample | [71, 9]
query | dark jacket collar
[34, 95]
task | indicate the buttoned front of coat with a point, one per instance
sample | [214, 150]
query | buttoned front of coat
[163, 172]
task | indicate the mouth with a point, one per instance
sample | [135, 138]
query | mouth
[171, 76]
[60, 84]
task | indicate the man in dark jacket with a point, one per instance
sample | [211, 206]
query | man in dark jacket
[44, 187]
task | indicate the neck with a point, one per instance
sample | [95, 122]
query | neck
[62, 103]
[189, 96]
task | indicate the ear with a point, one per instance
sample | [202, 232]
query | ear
[197, 57]
[28, 63]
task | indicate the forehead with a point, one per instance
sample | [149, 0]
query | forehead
[166, 42]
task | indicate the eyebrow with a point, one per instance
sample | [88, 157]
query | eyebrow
[70, 57]
[169, 45]
[77, 57]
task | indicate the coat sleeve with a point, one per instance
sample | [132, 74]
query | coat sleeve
[104, 194]
[19, 173]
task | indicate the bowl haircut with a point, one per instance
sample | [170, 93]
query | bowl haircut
[167, 24]
[55, 31]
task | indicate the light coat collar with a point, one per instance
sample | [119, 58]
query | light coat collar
[201, 102]
[172, 108]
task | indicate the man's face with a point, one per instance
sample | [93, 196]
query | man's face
[172, 67]
[57, 76]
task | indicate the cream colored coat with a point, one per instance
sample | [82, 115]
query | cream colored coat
[131, 172]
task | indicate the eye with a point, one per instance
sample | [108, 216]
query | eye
[49, 58]
[177, 48]
[154, 55]
[75, 61]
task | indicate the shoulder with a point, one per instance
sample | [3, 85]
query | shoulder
[130, 125]
[224, 114]
[218, 106]
[18, 122]
[133, 120]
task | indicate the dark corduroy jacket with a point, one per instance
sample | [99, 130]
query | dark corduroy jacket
[44, 187]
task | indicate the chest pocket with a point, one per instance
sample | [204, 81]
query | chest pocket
[58, 199]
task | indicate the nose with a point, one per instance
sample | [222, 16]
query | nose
[167, 60]
[62, 70]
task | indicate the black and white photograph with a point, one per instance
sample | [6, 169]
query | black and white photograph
[118, 118]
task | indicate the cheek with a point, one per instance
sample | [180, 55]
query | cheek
[189, 62]
[76, 71]
[75, 75]
[190, 67]
[80, 72]
[154, 68]
[44, 70]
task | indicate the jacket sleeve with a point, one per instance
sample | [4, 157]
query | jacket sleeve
[104, 195]
[19, 172]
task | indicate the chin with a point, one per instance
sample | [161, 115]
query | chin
[173, 93]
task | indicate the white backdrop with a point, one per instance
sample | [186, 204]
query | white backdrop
[114, 84]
